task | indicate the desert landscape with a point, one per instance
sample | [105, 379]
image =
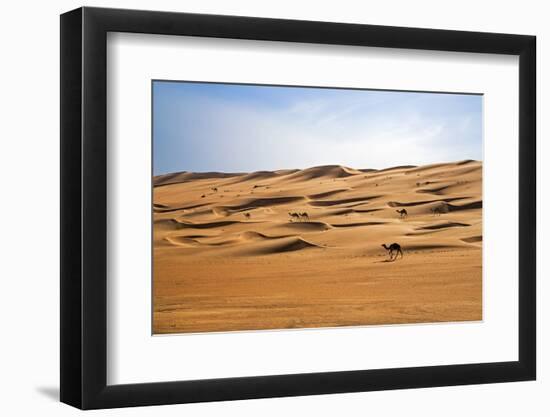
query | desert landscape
[303, 248]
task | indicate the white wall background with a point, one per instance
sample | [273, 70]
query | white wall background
[29, 173]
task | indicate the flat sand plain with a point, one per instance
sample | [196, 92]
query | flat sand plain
[228, 256]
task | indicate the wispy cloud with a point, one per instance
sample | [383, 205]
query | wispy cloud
[204, 127]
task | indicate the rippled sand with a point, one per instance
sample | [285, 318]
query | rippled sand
[228, 256]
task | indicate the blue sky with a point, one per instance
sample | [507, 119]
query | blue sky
[243, 128]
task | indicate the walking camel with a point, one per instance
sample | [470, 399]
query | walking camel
[393, 247]
[298, 216]
[294, 216]
[402, 213]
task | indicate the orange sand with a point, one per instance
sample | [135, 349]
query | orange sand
[218, 269]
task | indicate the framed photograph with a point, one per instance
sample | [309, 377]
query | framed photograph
[257, 208]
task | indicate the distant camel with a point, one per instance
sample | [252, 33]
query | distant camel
[294, 216]
[393, 247]
[436, 211]
[247, 215]
[402, 213]
[304, 215]
[215, 189]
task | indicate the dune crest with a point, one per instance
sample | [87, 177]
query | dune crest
[185, 176]
[283, 245]
[325, 171]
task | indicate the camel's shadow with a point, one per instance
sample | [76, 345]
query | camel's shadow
[384, 261]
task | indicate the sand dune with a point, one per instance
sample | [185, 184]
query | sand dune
[207, 225]
[302, 227]
[328, 193]
[466, 206]
[443, 225]
[160, 208]
[342, 201]
[327, 171]
[265, 202]
[279, 245]
[251, 235]
[472, 239]
[255, 176]
[358, 224]
[178, 177]
[422, 202]
[181, 240]
[229, 256]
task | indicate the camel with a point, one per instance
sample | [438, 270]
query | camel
[436, 211]
[215, 189]
[393, 247]
[402, 213]
[247, 215]
[304, 215]
[295, 216]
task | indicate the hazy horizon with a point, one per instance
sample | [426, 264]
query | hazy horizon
[233, 128]
[314, 166]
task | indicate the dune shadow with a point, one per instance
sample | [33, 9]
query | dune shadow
[358, 224]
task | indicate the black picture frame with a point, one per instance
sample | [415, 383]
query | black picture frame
[84, 208]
